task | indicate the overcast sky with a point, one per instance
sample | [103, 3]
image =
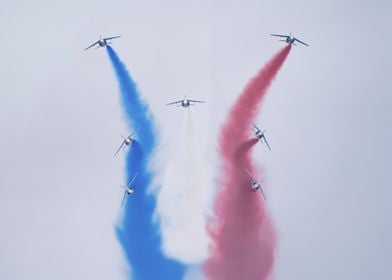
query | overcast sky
[328, 118]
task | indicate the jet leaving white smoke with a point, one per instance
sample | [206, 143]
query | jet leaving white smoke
[184, 197]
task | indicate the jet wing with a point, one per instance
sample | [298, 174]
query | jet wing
[198, 101]
[301, 42]
[125, 195]
[122, 144]
[258, 129]
[250, 175]
[261, 191]
[133, 179]
[91, 45]
[265, 140]
[278, 35]
[176, 102]
[111, 38]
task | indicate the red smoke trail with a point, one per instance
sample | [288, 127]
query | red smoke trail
[242, 234]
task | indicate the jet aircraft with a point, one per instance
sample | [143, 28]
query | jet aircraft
[102, 42]
[185, 102]
[255, 185]
[128, 190]
[289, 39]
[126, 142]
[260, 135]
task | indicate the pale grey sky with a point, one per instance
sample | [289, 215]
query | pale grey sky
[327, 114]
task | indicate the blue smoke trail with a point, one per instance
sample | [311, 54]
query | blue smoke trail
[138, 234]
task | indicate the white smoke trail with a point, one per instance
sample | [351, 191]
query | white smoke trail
[184, 197]
[194, 273]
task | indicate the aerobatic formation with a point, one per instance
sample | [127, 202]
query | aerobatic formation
[242, 236]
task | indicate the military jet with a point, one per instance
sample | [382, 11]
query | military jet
[126, 142]
[289, 39]
[260, 135]
[102, 42]
[255, 185]
[185, 102]
[128, 190]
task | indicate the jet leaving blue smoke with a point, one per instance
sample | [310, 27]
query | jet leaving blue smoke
[137, 233]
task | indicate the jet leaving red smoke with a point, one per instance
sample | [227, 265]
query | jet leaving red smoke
[243, 238]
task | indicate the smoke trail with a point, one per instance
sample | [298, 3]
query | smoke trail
[243, 237]
[137, 232]
[183, 223]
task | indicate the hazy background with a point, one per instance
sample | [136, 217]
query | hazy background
[328, 115]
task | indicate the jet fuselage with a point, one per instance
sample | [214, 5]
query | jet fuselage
[259, 134]
[185, 103]
[102, 43]
[290, 39]
[255, 186]
[129, 191]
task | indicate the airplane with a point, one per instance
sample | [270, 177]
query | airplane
[289, 39]
[102, 42]
[126, 142]
[128, 190]
[185, 102]
[255, 185]
[260, 135]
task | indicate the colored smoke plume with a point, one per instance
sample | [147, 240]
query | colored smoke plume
[137, 232]
[243, 238]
